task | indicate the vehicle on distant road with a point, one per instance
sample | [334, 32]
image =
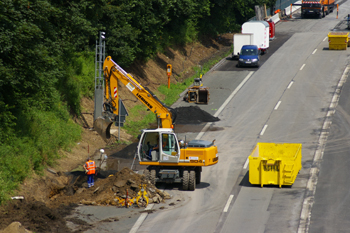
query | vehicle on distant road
[239, 40]
[319, 8]
[261, 31]
[249, 56]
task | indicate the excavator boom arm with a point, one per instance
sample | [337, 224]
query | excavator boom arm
[115, 75]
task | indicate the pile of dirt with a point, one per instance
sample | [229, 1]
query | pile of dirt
[34, 216]
[109, 191]
[15, 227]
[193, 115]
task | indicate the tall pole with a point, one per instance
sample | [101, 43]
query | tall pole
[119, 113]
[280, 8]
[99, 87]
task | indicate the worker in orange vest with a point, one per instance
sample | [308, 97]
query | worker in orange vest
[90, 169]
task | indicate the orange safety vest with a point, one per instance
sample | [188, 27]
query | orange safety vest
[90, 166]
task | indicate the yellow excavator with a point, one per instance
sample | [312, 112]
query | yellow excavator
[167, 159]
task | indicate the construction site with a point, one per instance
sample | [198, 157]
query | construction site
[45, 202]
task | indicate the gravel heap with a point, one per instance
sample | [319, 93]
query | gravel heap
[193, 115]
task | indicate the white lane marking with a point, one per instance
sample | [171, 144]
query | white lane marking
[325, 38]
[290, 84]
[225, 103]
[305, 214]
[228, 203]
[314, 51]
[302, 67]
[277, 105]
[263, 130]
[140, 219]
[233, 94]
[246, 163]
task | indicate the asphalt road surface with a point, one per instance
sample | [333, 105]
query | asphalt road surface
[290, 98]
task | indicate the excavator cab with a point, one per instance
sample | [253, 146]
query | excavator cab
[197, 82]
[159, 145]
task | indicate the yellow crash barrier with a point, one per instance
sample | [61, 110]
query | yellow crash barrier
[274, 163]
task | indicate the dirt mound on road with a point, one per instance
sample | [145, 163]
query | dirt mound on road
[109, 191]
[193, 115]
[112, 190]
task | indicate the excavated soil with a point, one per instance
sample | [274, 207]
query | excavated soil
[106, 191]
[48, 198]
[193, 115]
[109, 189]
[34, 216]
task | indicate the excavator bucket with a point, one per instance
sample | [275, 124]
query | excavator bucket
[103, 127]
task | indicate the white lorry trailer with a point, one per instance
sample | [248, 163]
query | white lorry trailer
[260, 29]
[239, 40]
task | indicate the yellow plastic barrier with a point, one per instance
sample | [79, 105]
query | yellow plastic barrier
[338, 40]
[277, 164]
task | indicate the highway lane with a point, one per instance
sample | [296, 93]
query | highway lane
[330, 200]
[331, 207]
[299, 118]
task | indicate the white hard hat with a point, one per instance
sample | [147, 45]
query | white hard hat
[102, 151]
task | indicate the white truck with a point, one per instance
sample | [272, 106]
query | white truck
[239, 40]
[260, 29]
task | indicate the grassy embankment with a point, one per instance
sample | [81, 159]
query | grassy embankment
[39, 135]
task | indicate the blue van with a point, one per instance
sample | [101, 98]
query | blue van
[249, 56]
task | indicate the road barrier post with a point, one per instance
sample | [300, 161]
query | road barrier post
[337, 10]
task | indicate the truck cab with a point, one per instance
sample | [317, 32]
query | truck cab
[249, 56]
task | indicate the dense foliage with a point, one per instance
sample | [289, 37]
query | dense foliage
[46, 63]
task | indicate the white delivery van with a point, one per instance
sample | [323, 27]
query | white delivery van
[261, 32]
[239, 40]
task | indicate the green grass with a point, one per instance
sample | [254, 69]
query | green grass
[172, 94]
[39, 135]
[46, 135]
[133, 125]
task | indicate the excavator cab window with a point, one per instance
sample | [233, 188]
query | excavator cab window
[157, 146]
[170, 146]
[149, 142]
